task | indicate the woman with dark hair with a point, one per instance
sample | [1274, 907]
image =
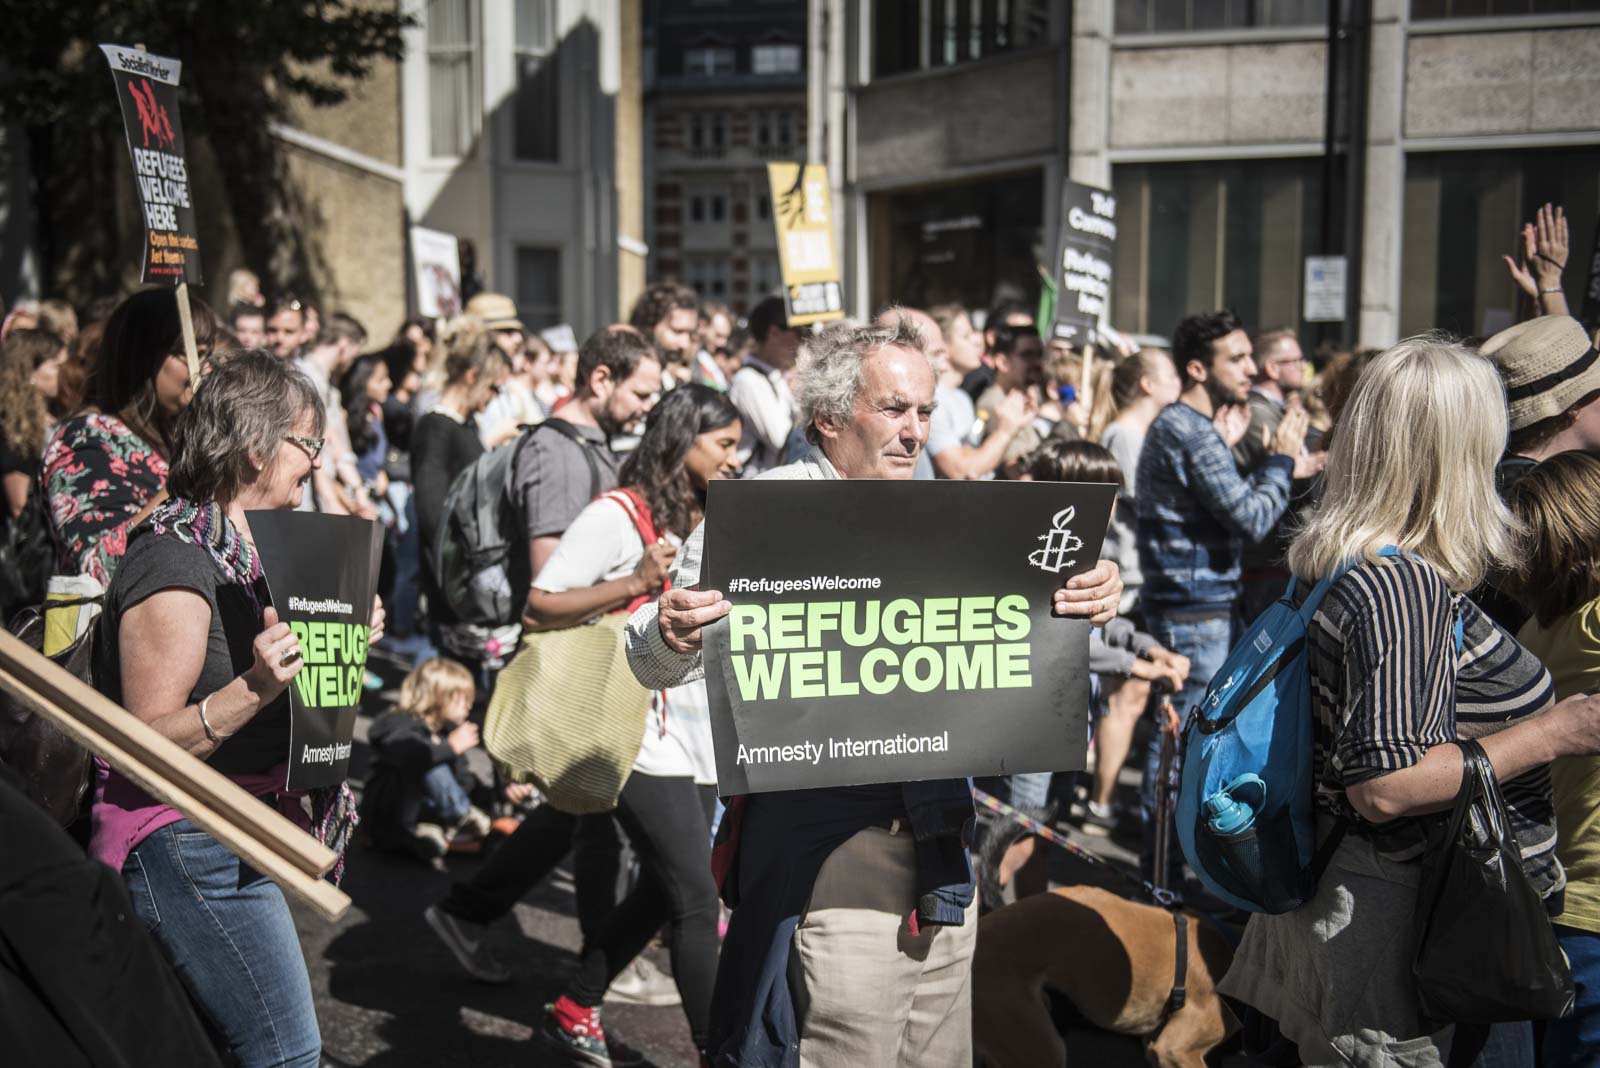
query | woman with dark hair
[605, 563]
[365, 387]
[190, 643]
[105, 468]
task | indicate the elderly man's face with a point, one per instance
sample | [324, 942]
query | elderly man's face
[889, 426]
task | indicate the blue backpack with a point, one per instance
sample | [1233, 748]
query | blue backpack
[1244, 815]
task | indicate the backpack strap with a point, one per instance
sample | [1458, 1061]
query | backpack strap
[587, 447]
[637, 510]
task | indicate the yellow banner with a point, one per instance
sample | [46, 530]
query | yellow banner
[803, 216]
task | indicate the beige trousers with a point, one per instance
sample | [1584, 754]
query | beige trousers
[871, 994]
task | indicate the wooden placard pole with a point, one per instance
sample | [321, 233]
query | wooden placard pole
[256, 833]
[191, 352]
[1086, 394]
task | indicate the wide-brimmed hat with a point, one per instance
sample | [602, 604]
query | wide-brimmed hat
[495, 311]
[1548, 363]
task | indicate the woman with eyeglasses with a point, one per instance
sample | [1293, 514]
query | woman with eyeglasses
[105, 468]
[190, 643]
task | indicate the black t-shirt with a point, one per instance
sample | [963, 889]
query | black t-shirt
[441, 449]
[156, 562]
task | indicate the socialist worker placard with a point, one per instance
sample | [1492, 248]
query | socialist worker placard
[887, 631]
[147, 90]
[322, 572]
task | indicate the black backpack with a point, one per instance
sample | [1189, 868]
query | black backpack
[479, 564]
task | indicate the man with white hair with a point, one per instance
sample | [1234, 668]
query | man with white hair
[853, 908]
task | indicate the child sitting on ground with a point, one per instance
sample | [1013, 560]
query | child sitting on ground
[418, 795]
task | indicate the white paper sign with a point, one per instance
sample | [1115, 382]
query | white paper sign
[1324, 300]
[438, 265]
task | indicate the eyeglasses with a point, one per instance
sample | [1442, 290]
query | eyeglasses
[312, 446]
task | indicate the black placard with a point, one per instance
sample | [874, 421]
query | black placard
[1589, 313]
[322, 572]
[147, 89]
[886, 631]
[1086, 254]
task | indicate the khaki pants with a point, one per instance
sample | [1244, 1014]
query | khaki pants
[871, 994]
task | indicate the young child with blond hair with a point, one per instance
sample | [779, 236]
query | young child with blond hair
[418, 795]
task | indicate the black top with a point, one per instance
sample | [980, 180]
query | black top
[16, 461]
[441, 449]
[156, 562]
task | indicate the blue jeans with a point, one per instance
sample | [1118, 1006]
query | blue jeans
[229, 935]
[1575, 1040]
[1028, 791]
[1206, 643]
[443, 800]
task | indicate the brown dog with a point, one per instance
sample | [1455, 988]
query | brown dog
[1113, 959]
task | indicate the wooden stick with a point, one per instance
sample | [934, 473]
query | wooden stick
[186, 319]
[157, 763]
[1086, 394]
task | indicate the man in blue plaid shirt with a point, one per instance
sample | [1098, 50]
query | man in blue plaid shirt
[1195, 511]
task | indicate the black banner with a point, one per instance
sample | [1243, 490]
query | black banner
[147, 89]
[887, 631]
[1084, 262]
[322, 572]
[1589, 314]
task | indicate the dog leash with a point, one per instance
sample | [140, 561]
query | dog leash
[1165, 899]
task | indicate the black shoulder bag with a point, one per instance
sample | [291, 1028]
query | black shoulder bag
[1486, 952]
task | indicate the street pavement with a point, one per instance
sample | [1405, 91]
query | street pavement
[389, 994]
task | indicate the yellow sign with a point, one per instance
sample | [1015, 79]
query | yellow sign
[804, 220]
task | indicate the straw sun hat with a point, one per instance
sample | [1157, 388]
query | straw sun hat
[1548, 363]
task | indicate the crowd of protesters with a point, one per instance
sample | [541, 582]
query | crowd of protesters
[854, 912]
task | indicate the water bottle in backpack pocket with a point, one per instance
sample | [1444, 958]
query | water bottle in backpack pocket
[1245, 806]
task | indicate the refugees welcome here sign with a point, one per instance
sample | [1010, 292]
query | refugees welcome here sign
[888, 631]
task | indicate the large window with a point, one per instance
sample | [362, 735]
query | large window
[537, 111]
[708, 134]
[973, 243]
[1194, 237]
[1169, 16]
[452, 77]
[1469, 9]
[707, 62]
[538, 286]
[1465, 210]
[774, 132]
[910, 35]
[775, 59]
[708, 277]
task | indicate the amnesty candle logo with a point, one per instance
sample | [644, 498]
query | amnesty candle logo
[1059, 545]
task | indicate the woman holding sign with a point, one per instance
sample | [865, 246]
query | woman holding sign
[188, 644]
[614, 557]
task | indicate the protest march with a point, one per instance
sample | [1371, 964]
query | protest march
[718, 547]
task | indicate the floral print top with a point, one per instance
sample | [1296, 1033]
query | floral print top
[98, 474]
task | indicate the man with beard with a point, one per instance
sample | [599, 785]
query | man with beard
[561, 465]
[1195, 510]
[879, 970]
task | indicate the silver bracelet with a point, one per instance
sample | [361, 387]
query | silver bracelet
[1552, 289]
[211, 735]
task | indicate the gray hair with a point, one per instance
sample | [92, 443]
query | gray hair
[829, 373]
[239, 416]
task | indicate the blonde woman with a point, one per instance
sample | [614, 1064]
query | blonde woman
[1559, 584]
[1412, 467]
[30, 377]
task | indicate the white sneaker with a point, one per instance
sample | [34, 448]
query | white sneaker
[642, 983]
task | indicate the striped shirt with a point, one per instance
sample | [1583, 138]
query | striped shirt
[1387, 684]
